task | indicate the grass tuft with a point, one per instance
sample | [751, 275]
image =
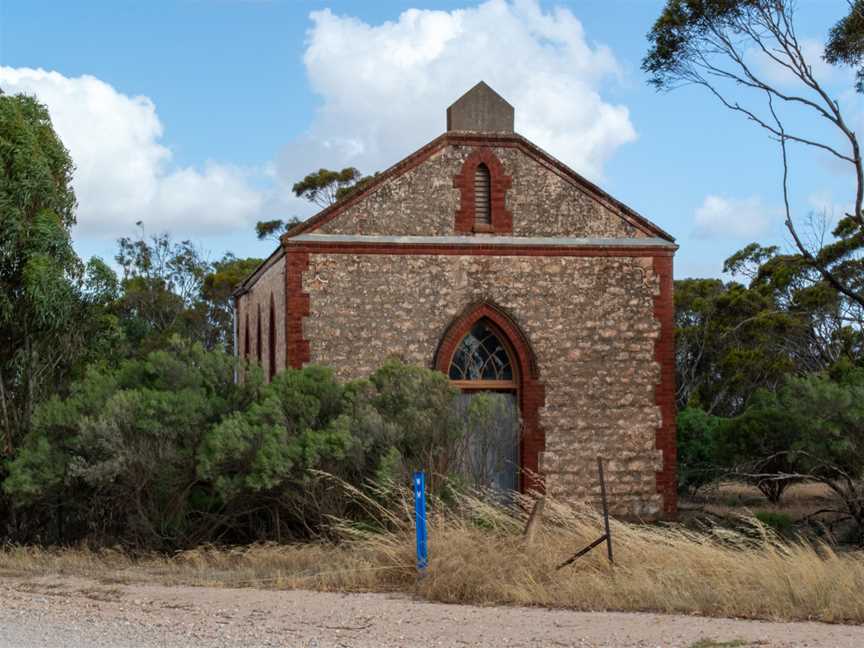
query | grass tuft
[478, 555]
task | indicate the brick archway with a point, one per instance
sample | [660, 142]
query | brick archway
[530, 391]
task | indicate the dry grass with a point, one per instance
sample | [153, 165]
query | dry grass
[734, 498]
[478, 556]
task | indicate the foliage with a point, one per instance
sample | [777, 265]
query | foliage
[811, 429]
[324, 187]
[730, 341]
[296, 424]
[781, 522]
[120, 451]
[273, 229]
[733, 339]
[161, 283]
[217, 297]
[697, 443]
[755, 445]
[710, 43]
[48, 312]
[742, 572]
[846, 42]
[170, 289]
[415, 406]
[168, 451]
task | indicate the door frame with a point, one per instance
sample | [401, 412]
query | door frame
[530, 391]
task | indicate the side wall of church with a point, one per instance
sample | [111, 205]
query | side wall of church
[271, 282]
[591, 321]
[423, 201]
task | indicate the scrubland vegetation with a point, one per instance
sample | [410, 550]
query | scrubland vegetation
[479, 555]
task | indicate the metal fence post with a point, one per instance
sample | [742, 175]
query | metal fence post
[605, 508]
[607, 535]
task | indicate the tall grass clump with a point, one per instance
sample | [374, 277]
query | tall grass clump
[478, 555]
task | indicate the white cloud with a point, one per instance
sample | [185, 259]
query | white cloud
[730, 218]
[385, 87]
[123, 173]
[384, 91]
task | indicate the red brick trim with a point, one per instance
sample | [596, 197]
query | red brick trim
[664, 395]
[531, 392]
[490, 249]
[296, 308]
[488, 139]
[502, 219]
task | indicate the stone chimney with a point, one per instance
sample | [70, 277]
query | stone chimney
[480, 109]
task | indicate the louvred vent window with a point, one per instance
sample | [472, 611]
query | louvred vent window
[482, 206]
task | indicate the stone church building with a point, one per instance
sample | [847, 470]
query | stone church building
[483, 256]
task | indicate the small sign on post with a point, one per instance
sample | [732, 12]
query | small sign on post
[420, 519]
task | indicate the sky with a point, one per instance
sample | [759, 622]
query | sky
[195, 117]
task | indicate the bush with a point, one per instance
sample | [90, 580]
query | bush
[116, 459]
[810, 429]
[781, 522]
[755, 445]
[697, 449]
[167, 451]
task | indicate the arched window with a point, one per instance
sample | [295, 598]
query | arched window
[258, 346]
[482, 361]
[246, 348]
[482, 196]
[271, 339]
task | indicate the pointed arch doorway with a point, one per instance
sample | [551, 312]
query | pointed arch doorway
[487, 356]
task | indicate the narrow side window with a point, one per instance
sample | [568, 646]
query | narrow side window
[247, 349]
[271, 338]
[258, 346]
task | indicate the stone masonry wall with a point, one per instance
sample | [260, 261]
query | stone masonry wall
[589, 320]
[271, 282]
[423, 201]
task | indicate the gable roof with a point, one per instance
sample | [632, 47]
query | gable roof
[481, 139]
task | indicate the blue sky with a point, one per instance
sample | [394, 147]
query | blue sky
[195, 116]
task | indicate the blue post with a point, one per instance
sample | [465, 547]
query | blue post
[420, 516]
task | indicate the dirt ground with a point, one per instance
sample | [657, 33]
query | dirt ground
[66, 612]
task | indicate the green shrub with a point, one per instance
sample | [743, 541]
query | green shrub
[168, 451]
[118, 455]
[781, 522]
[697, 449]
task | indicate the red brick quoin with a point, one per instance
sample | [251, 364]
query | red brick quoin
[296, 308]
[664, 394]
[502, 220]
[531, 392]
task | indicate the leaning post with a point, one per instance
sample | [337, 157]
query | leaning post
[605, 508]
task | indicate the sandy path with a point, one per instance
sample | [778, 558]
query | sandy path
[55, 612]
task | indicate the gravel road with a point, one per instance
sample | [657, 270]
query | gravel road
[54, 612]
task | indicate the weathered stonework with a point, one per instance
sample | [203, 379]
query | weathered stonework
[590, 322]
[424, 202]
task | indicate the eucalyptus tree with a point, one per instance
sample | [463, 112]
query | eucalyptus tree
[40, 274]
[716, 45]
